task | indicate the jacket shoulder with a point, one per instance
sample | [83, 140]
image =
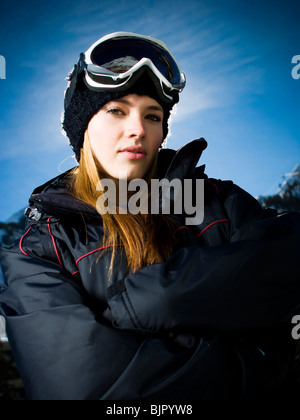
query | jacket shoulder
[47, 240]
[235, 198]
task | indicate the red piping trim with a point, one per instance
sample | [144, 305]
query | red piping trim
[182, 227]
[109, 246]
[92, 252]
[21, 241]
[213, 223]
[53, 241]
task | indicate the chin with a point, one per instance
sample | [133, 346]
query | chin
[131, 173]
[134, 175]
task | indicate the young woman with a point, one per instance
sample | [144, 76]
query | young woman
[118, 305]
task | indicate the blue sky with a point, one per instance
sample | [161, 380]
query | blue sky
[240, 94]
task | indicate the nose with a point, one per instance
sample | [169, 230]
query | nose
[135, 127]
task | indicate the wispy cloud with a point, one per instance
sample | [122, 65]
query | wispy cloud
[216, 68]
[225, 49]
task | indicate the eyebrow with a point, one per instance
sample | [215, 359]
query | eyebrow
[150, 107]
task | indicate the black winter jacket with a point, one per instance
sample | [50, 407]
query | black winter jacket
[212, 322]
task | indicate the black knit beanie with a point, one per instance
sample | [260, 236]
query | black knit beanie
[86, 103]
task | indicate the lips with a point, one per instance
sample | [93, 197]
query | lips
[134, 153]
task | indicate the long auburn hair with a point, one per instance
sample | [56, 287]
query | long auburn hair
[147, 239]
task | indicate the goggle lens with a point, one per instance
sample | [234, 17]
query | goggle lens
[121, 54]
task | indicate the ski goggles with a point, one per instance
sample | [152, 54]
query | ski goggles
[117, 60]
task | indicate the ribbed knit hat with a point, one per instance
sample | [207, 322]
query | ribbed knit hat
[85, 103]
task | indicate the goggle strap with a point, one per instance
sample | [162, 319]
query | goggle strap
[73, 77]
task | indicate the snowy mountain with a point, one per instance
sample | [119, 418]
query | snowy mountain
[10, 231]
[288, 196]
[293, 181]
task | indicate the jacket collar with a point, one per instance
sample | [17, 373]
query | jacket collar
[183, 162]
[54, 198]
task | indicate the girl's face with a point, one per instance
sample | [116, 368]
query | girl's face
[126, 134]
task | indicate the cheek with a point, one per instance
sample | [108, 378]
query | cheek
[157, 139]
[98, 139]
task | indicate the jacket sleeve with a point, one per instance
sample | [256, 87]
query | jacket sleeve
[247, 290]
[66, 350]
[251, 282]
